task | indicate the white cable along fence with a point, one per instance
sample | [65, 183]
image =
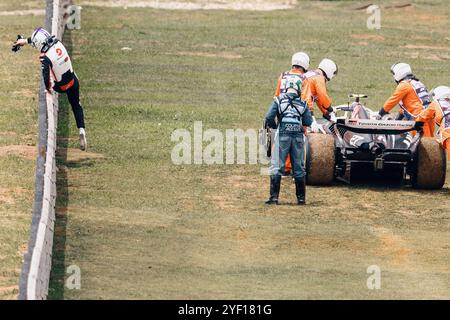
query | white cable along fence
[35, 275]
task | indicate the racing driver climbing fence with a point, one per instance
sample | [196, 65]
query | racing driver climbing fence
[57, 66]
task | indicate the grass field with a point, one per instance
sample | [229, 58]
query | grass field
[139, 226]
[18, 129]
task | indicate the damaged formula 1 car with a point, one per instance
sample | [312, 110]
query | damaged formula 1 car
[358, 147]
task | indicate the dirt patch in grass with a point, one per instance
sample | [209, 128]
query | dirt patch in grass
[225, 55]
[430, 18]
[33, 12]
[244, 182]
[209, 45]
[427, 56]
[222, 202]
[360, 43]
[7, 194]
[231, 200]
[392, 246]
[25, 93]
[8, 133]
[8, 199]
[422, 18]
[27, 152]
[23, 248]
[263, 5]
[9, 290]
[414, 46]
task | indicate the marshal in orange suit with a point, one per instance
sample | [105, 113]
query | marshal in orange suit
[411, 95]
[439, 112]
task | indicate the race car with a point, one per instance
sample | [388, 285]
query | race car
[359, 147]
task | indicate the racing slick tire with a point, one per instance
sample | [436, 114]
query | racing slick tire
[430, 165]
[320, 159]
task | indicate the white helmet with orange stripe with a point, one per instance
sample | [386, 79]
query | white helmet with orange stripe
[329, 68]
[400, 71]
[441, 93]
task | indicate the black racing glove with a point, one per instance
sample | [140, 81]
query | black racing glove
[418, 126]
[16, 47]
[327, 115]
[381, 113]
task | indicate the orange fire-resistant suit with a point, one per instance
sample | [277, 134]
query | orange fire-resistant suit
[439, 112]
[410, 95]
[315, 90]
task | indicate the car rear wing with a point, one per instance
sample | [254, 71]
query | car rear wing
[370, 126]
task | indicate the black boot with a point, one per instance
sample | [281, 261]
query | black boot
[275, 182]
[300, 191]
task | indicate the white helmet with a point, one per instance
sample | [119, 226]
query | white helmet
[329, 68]
[39, 38]
[441, 93]
[291, 81]
[400, 71]
[301, 59]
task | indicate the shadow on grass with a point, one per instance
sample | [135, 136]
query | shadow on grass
[81, 163]
[379, 184]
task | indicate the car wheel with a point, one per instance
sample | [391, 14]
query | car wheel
[430, 166]
[320, 159]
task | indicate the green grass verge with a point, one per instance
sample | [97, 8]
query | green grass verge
[18, 129]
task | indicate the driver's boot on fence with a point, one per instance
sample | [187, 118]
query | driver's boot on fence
[300, 190]
[275, 182]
